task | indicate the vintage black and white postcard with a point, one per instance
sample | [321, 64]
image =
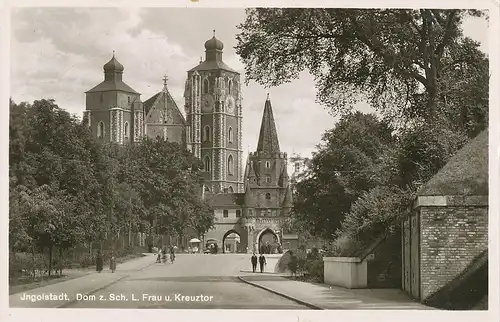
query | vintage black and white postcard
[199, 156]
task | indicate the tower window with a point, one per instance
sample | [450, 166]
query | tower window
[230, 165]
[268, 179]
[230, 87]
[208, 166]
[205, 86]
[238, 213]
[226, 213]
[125, 130]
[268, 196]
[207, 133]
[100, 129]
[268, 164]
[128, 99]
[230, 135]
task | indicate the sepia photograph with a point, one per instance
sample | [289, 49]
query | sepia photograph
[258, 158]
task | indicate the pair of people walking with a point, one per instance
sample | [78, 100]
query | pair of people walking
[100, 262]
[261, 260]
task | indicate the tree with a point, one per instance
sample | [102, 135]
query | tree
[339, 172]
[395, 59]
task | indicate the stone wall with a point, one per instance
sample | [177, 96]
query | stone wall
[451, 237]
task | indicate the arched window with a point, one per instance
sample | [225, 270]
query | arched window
[268, 196]
[230, 190]
[100, 129]
[230, 135]
[268, 164]
[208, 166]
[207, 133]
[206, 86]
[125, 129]
[230, 87]
[230, 165]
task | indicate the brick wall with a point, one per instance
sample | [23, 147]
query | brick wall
[450, 238]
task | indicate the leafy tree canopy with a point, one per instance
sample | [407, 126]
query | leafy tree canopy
[403, 62]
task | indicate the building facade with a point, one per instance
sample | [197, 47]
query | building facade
[250, 201]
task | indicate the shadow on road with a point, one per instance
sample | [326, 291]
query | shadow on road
[190, 279]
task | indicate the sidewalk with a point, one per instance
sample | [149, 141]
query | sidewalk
[68, 290]
[325, 297]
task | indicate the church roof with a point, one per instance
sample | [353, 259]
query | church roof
[150, 103]
[112, 86]
[212, 65]
[227, 200]
[268, 137]
[466, 173]
[288, 201]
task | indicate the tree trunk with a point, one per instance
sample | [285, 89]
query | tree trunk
[60, 261]
[50, 260]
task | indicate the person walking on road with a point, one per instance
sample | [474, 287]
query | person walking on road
[158, 259]
[99, 262]
[112, 263]
[254, 262]
[262, 262]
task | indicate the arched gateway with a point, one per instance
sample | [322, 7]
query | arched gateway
[258, 212]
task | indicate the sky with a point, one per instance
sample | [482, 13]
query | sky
[59, 53]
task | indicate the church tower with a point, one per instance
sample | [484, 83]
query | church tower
[266, 173]
[114, 111]
[214, 120]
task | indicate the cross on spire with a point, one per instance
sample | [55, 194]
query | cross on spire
[165, 79]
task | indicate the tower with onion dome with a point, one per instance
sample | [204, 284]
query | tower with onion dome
[214, 120]
[114, 111]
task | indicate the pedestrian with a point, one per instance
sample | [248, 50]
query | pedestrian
[99, 261]
[254, 262]
[112, 263]
[262, 262]
[158, 259]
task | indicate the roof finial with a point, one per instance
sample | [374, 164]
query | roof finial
[214, 33]
[267, 98]
[113, 54]
[165, 79]
[201, 59]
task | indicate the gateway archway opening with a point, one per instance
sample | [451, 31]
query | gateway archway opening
[231, 242]
[268, 242]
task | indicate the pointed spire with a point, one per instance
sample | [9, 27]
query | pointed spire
[283, 179]
[268, 138]
[288, 200]
[248, 199]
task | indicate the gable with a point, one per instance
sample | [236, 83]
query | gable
[160, 105]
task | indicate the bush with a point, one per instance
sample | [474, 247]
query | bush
[315, 269]
[86, 260]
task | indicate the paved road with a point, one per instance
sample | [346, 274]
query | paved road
[194, 281]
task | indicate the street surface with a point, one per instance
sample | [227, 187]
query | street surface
[194, 281]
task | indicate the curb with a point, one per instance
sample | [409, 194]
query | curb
[309, 305]
[65, 305]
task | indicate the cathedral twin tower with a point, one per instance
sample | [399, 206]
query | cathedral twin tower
[211, 129]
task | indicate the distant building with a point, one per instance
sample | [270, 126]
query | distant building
[252, 201]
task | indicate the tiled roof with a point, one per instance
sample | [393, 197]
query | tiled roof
[268, 137]
[466, 173]
[225, 200]
[112, 86]
[213, 64]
